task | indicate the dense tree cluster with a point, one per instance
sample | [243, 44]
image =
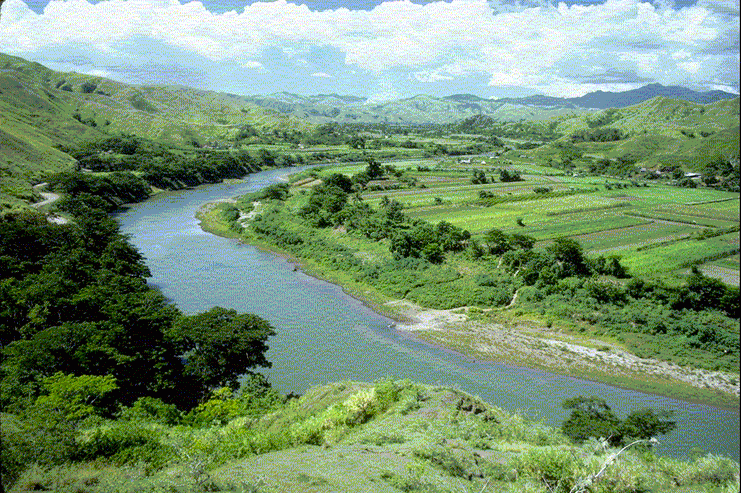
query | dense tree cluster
[328, 205]
[75, 301]
[109, 191]
[592, 417]
[605, 134]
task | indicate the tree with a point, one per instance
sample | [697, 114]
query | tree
[590, 417]
[340, 181]
[498, 241]
[373, 170]
[509, 176]
[479, 177]
[265, 158]
[646, 423]
[220, 345]
[356, 142]
[523, 242]
[569, 254]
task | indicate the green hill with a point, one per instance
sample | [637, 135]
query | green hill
[420, 109]
[357, 437]
[653, 134]
[43, 109]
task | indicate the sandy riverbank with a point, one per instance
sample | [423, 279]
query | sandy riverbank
[549, 349]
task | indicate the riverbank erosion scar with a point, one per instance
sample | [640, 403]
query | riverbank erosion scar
[545, 348]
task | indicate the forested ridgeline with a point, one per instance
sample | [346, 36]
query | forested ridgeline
[441, 266]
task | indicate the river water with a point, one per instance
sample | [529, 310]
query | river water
[323, 335]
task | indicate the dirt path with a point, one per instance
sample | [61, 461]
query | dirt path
[49, 197]
[550, 349]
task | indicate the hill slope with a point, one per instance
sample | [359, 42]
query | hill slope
[664, 132]
[417, 110]
[43, 109]
[357, 437]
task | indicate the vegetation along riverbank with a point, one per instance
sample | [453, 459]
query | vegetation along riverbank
[502, 294]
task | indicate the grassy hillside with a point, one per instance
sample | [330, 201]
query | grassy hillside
[662, 132]
[357, 437]
[43, 109]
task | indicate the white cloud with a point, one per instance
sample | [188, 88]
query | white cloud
[252, 64]
[510, 45]
[323, 75]
[99, 73]
[721, 87]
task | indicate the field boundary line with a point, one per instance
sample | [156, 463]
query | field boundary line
[596, 231]
[710, 258]
[676, 221]
[712, 201]
[565, 212]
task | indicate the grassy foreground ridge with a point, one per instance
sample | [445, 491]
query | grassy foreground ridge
[389, 436]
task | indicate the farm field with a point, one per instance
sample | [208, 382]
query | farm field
[654, 228]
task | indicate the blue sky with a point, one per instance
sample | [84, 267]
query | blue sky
[384, 49]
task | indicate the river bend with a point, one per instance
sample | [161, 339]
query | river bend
[323, 335]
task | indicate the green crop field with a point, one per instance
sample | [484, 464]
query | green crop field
[654, 228]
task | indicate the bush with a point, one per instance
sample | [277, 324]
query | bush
[557, 468]
[152, 410]
[125, 443]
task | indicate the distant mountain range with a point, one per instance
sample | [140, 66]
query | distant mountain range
[422, 109]
[603, 99]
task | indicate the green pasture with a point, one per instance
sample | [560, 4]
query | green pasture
[503, 216]
[680, 255]
[577, 224]
[635, 236]
[652, 228]
[731, 262]
[666, 214]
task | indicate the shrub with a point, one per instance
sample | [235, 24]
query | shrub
[152, 410]
[557, 468]
[125, 443]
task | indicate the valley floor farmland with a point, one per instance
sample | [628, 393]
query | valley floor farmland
[654, 228]
[608, 217]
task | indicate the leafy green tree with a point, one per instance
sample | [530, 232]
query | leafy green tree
[509, 176]
[373, 169]
[645, 424]
[522, 242]
[498, 241]
[277, 191]
[479, 177]
[220, 345]
[340, 181]
[73, 398]
[590, 417]
[265, 158]
[570, 256]
[356, 142]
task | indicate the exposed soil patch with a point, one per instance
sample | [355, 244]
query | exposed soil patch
[547, 348]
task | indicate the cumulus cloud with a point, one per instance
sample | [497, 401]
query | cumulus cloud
[323, 75]
[252, 64]
[559, 50]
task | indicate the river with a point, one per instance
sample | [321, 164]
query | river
[323, 335]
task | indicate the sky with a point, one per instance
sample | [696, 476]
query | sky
[384, 49]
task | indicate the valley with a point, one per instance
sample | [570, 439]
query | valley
[527, 251]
